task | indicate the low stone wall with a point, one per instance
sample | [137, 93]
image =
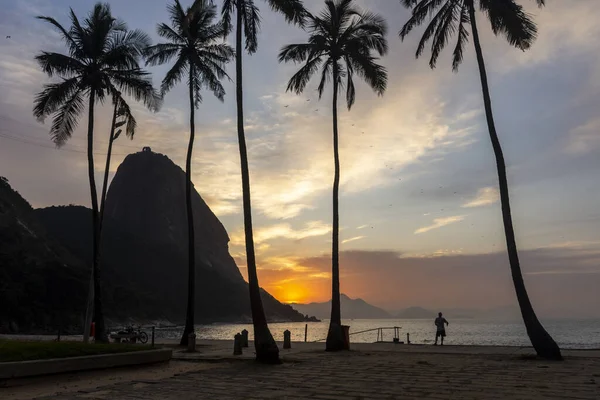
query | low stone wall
[21, 369]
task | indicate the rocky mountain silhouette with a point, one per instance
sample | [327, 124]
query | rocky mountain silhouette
[144, 249]
[41, 284]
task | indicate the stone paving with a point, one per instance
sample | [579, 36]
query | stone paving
[371, 374]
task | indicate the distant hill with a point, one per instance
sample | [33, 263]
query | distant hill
[351, 309]
[144, 248]
[498, 313]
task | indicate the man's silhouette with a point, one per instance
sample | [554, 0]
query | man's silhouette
[440, 323]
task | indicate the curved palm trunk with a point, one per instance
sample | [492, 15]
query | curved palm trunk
[189, 319]
[100, 334]
[543, 343]
[335, 336]
[264, 344]
[107, 167]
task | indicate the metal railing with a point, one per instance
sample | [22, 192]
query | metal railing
[379, 331]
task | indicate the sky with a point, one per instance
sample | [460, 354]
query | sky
[419, 209]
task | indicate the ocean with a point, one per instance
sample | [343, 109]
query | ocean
[569, 333]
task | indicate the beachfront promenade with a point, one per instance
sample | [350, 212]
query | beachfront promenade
[370, 371]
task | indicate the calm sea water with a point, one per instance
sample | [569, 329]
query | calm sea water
[572, 334]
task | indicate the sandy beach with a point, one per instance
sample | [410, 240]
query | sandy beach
[369, 371]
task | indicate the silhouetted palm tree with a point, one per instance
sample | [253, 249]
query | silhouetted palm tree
[341, 43]
[194, 41]
[102, 54]
[507, 18]
[248, 24]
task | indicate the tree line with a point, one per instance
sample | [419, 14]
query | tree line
[105, 60]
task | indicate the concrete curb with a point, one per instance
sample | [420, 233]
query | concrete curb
[21, 369]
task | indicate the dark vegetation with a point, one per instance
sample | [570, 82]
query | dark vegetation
[14, 350]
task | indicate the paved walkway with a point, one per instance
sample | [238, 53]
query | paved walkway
[368, 372]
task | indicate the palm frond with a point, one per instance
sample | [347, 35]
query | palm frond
[161, 53]
[326, 72]
[293, 10]
[177, 16]
[165, 31]
[175, 74]
[127, 118]
[226, 11]
[366, 67]
[251, 19]
[445, 28]
[66, 36]
[508, 18]
[463, 37]
[295, 52]
[350, 89]
[65, 120]
[211, 79]
[300, 79]
[217, 52]
[137, 84]
[49, 100]
[125, 49]
[420, 11]
[59, 64]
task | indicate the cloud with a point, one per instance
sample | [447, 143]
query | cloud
[485, 196]
[394, 281]
[584, 138]
[353, 239]
[440, 222]
[284, 231]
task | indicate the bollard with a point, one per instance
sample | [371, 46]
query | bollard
[287, 339]
[346, 331]
[245, 338]
[407, 338]
[153, 336]
[237, 344]
[192, 342]
[305, 332]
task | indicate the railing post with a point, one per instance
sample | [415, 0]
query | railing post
[305, 332]
[153, 336]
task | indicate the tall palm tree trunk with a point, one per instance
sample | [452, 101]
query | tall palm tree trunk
[264, 344]
[189, 319]
[335, 336]
[543, 343]
[100, 334]
[90, 304]
[107, 167]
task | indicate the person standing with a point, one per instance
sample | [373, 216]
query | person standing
[440, 323]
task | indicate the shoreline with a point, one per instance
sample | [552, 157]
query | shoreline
[314, 345]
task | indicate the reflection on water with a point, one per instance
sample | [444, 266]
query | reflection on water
[573, 334]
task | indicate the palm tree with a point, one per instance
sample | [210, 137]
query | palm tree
[507, 18]
[193, 41]
[248, 24]
[341, 43]
[122, 116]
[102, 54]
